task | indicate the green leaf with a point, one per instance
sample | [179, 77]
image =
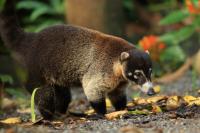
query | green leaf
[167, 37]
[42, 23]
[6, 79]
[39, 12]
[2, 2]
[25, 4]
[173, 55]
[128, 4]
[184, 33]
[139, 112]
[196, 2]
[47, 24]
[15, 92]
[196, 22]
[33, 116]
[176, 37]
[174, 17]
[58, 6]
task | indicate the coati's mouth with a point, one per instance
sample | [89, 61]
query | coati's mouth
[147, 88]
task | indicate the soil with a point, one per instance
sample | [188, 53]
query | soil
[182, 120]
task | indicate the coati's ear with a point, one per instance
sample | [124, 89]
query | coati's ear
[124, 56]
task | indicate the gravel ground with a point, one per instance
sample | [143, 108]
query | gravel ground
[160, 123]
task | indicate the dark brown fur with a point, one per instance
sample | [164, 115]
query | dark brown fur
[63, 55]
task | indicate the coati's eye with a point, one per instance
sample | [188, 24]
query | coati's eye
[138, 74]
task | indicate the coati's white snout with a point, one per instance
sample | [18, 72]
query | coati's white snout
[146, 87]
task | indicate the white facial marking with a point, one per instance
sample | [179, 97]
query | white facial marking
[139, 71]
[145, 87]
[135, 76]
[130, 73]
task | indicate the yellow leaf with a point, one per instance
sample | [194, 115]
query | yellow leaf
[14, 120]
[188, 98]
[89, 112]
[173, 103]
[156, 109]
[156, 88]
[130, 104]
[116, 114]
[108, 103]
[156, 99]
[196, 102]
[140, 101]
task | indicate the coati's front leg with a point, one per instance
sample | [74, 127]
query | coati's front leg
[118, 98]
[95, 94]
[52, 100]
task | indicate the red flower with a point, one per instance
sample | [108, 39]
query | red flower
[161, 46]
[148, 41]
[192, 8]
[153, 45]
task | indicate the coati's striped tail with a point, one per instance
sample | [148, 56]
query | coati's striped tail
[10, 30]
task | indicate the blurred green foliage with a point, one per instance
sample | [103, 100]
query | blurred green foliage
[1, 4]
[174, 53]
[6, 79]
[42, 14]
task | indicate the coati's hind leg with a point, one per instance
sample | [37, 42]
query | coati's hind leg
[52, 100]
[62, 99]
[118, 98]
[44, 99]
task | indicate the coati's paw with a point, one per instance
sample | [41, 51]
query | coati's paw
[120, 103]
[99, 106]
[118, 98]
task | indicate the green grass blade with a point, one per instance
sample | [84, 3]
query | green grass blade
[33, 118]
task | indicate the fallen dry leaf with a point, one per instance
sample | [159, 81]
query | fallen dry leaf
[196, 102]
[156, 99]
[130, 104]
[140, 100]
[156, 89]
[173, 102]
[13, 120]
[156, 109]
[189, 99]
[116, 114]
[89, 112]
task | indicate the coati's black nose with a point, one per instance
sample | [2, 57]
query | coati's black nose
[151, 92]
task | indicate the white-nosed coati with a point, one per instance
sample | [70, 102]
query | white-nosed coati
[63, 55]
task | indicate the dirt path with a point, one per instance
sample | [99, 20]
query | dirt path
[159, 123]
